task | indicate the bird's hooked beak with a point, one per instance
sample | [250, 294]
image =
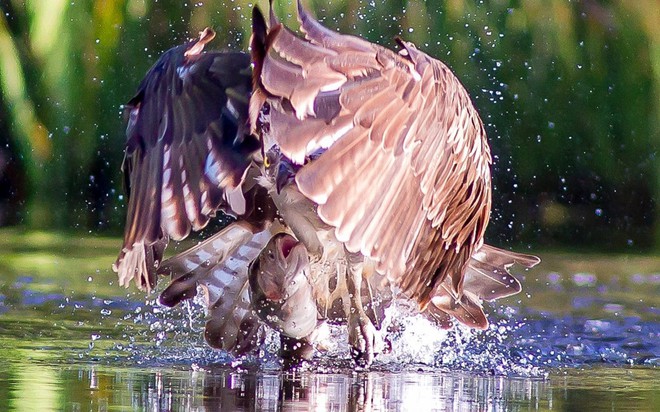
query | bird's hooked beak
[283, 176]
[286, 173]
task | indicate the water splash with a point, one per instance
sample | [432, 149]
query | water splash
[415, 343]
[516, 343]
[572, 321]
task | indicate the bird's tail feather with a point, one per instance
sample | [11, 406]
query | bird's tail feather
[487, 277]
[219, 265]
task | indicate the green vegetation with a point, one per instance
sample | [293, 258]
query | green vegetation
[81, 265]
[569, 92]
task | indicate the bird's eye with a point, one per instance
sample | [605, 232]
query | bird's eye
[266, 162]
[271, 256]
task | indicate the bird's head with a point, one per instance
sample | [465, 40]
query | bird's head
[277, 169]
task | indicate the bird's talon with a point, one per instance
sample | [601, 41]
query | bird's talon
[362, 336]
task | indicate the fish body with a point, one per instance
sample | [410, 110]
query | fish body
[281, 292]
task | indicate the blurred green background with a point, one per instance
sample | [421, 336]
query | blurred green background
[569, 92]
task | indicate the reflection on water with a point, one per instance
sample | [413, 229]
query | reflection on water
[584, 336]
[81, 388]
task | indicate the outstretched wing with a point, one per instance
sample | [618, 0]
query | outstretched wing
[405, 176]
[187, 151]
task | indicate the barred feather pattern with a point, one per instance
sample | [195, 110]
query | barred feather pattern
[219, 267]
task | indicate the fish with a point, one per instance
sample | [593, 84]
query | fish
[280, 288]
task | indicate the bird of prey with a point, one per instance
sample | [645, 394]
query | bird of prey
[369, 168]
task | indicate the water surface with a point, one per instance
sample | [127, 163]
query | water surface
[584, 335]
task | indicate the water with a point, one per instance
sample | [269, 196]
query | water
[584, 335]
[84, 387]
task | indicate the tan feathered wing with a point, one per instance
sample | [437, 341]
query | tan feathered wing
[405, 176]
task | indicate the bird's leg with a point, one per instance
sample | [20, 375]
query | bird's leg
[361, 331]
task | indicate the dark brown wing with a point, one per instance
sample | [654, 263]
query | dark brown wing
[405, 178]
[188, 148]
